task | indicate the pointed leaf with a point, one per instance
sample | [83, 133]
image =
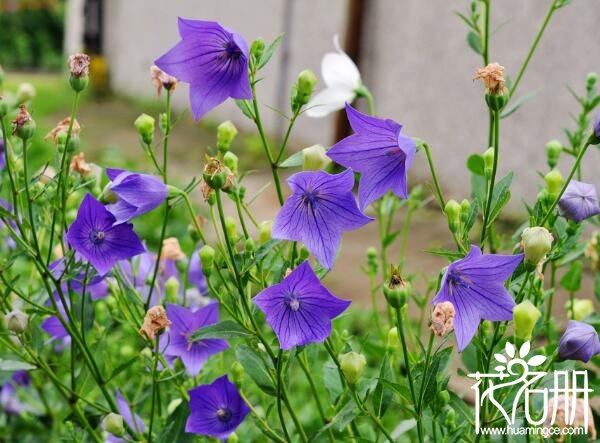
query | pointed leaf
[474, 42]
[225, 330]
[269, 51]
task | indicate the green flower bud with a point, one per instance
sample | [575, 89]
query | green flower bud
[304, 87]
[353, 365]
[553, 150]
[145, 126]
[16, 321]
[314, 158]
[173, 405]
[264, 231]
[231, 229]
[231, 161]
[591, 80]
[393, 341]
[172, 290]
[496, 102]
[237, 373]
[488, 162]
[536, 243]
[582, 308]
[465, 210]
[257, 48]
[554, 181]
[78, 84]
[249, 245]
[450, 421]
[207, 258]
[25, 93]
[452, 211]
[113, 423]
[226, 133]
[443, 398]
[525, 315]
[162, 121]
[233, 438]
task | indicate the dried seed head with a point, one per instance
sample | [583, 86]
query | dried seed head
[79, 165]
[493, 78]
[171, 250]
[576, 417]
[161, 79]
[442, 319]
[63, 127]
[154, 322]
[23, 124]
[79, 65]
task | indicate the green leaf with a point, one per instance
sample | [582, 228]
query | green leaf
[500, 197]
[122, 367]
[449, 254]
[293, 161]
[476, 165]
[256, 367]
[478, 189]
[571, 281]
[269, 51]
[246, 108]
[175, 429]
[225, 330]
[262, 251]
[389, 239]
[382, 396]
[474, 42]
[331, 379]
[514, 106]
[14, 365]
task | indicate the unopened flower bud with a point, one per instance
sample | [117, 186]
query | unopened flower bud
[226, 133]
[553, 150]
[304, 87]
[257, 48]
[207, 258]
[314, 158]
[525, 315]
[79, 67]
[536, 243]
[113, 423]
[155, 321]
[442, 319]
[554, 181]
[452, 211]
[488, 162]
[173, 405]
[145, 125]
[443, 398]
[393, 341]
[231, 228]
[23, 125]
[582, 308]
[25, 92]
[591, 80]
[465, 210]
[231, 161]
[172, 290]
[249, 245]
[352, 365]
[264, 231]
[450, 421]
[237, 372]
[16, 321]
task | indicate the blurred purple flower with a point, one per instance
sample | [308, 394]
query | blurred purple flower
[379, 151]
[213, 60]
[2, 154]
[579, 342]
[9, 400]
[95, 236]
[8, 240]
[475, 286]
[580, 201]
[184, 322]
[195, 273]
[137, 194]
[321, 207]
[597, 125]
[216, 409]
[300, 308]
[133, 420]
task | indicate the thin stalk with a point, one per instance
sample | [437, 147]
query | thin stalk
[238, 207]
[438, 189]
[262, 423]
[154, 387]
[29, 201]
[490, 195]
[280, 397]
[188, 203]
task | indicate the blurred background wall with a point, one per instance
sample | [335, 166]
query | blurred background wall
[412, 54]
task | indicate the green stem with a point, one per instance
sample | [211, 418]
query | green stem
[29, 201]
[188, 203]
[238, 207]
[438, 189]
[424, 385]
[486, 34]
[280, 397]
[490, 195]
[154, 387]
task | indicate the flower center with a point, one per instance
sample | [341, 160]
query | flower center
[310, 199]
[224, 415]
[97, 237]
[232, 50]
[456, 280]
[292, 301]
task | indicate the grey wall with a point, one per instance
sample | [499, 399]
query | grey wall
[415, 60]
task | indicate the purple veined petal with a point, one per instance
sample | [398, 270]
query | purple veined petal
[372, 187]
[188, 28]
[321, 238]
[288, 221]
[133, 420]
[465, 323]
[343, 210]
[53, 327]
[361, 123]
[362, 153]
[579, 342]
[207, 95]
[113, 173]
[492, 267]
[579, 202]
[122, 211]
[195, 273]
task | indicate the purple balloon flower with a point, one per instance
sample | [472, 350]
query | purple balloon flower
[475, 286]
[2, 159]
[196, 275]
[379, 151]
[580, 201]
[321, 207]
[300, 308]
[216, 409]
[213, 60]
[579, 342]
[9, 400]
[184, 322]
[137, 194]
[95, 236]
[133, 420]
[597, 125]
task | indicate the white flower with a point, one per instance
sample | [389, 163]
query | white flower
[342, 78]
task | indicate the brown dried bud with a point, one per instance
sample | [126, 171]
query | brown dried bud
[63, 126]
[23, 124]
[206, 190]
[161, 79]
[79, 65]
[216, 175]
[442, 319]
[577, 413]
[171, 250]
[493, 78]
[154, 322]
[79, 165]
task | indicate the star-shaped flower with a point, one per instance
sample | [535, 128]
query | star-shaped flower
[213, 60]
[379, 151]
[475, 287]
[580, 201]
[300, 308]
[321, 207]
[95, 236]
